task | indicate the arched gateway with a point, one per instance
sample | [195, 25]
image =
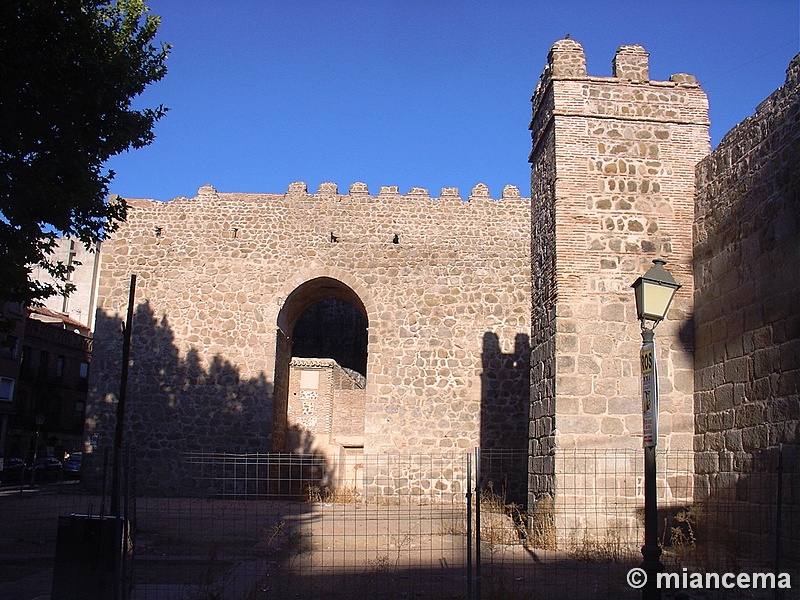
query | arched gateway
[320, 374]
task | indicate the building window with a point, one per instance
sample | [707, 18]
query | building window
[59, 367]
[44, 358]
[78, 415]
[83, 374]
[6, 389]
[25, 362]
[11, 346]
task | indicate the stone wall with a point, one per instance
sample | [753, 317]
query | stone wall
[543, 301]
[747, 278]
[612, 189]
[507, 324]
[223, 278]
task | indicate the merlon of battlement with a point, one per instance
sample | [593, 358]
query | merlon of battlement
[327, 188]
[357, 190]
[360, 189]
[631, 62]
[566, 59]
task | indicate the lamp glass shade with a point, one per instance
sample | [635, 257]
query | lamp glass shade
[654, 292]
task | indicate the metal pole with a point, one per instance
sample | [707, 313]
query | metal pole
[469, 526]
[779, 518]
[35, 455]
[123, 387]
[478, 524]
[651, 551]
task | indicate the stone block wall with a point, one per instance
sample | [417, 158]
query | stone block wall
[612, 188]
[747, 309]
[542, 429]
[223, 277]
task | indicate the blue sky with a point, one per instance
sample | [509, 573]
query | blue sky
[414, 93]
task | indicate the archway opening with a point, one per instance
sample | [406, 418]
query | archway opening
[335, 329]
[321, 369]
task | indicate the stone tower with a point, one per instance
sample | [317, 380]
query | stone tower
[612, 187]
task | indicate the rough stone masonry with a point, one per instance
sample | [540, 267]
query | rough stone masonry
[502, 323]
[612, 187]
[444, 285]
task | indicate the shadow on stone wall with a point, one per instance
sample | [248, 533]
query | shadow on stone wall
[177, 403]
[505, 404]
[737, 519]
[746, 296]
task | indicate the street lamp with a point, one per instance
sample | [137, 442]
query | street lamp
[39, 423]
[654, 292]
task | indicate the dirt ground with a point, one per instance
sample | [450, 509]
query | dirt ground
[193, 549]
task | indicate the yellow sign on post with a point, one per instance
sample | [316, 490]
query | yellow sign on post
[649, 395]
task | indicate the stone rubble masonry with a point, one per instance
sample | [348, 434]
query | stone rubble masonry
[612, 188]
[747, 302]
[491, 323]
[216, 275]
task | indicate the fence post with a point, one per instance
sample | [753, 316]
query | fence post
[779, 519]
[105, 484]
[478, 523]
[469, 526]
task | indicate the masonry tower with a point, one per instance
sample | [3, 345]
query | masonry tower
[612, 187]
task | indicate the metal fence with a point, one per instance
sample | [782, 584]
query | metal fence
[256, 527]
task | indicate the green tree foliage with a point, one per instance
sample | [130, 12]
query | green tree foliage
[69, 70]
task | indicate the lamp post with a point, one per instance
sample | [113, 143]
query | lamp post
[39, 423]
[654, 292]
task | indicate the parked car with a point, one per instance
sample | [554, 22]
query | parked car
[72, 465]
[12, 470]
[46, 467]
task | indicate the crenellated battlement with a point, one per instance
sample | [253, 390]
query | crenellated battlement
[565, 89]
[566, 61]
[359, 192]
[328, 217]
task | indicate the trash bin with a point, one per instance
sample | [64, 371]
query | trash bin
[93, 558]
